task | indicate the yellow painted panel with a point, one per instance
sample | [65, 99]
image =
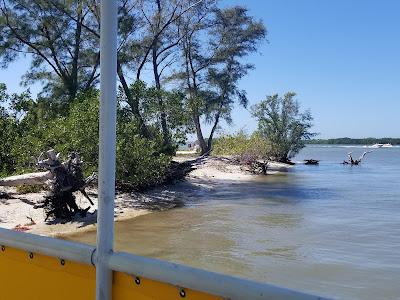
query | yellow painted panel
[127, 287]
[38, 277]
[25, 275]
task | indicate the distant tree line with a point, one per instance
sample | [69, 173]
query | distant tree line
[350, 141]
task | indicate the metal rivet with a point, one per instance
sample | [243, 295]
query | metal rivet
[62, 262]
[31, 255]
[137, 280]
[182, 293]
[3, 248]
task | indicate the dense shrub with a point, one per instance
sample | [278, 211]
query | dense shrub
[7, 139]
[81, 130]
[252, 151]
[241, 144]
[74, 130]
[283, 124]
[140, 161]
[178, 121]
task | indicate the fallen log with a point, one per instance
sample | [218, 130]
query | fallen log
[311, 162]
[63, 179]
[27, 179]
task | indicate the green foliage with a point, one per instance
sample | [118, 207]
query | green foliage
[61, 39]
[28, 189]
[235, 35]
[42, 127]
[214, 53]
[241, 144]
[252, 151]
[80, 130]
[140, 161]
[173, 105]
[64, 55]
[283, 125]
[7, 135]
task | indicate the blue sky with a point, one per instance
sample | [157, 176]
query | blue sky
[341, 57]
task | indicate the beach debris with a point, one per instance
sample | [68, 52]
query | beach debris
[67, 179]
[26, 179]
[26, 226]
[355, 162]
[4, 195]
[32, 221]
[63, 179]
[21, 228]
[311, 162]
[252, 163]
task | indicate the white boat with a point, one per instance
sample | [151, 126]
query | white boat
[377, 146]
[387, 146]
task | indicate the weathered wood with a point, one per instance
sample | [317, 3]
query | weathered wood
[27, 179]
[311, 162]
[355, 162]
[63, 179]
[4, 195]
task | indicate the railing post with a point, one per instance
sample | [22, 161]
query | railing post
[107, 140]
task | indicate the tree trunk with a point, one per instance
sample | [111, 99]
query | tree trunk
[133, 102]
[163, 115]
[191, 74]
[216, 121]
[210, 138]
[199, 133]
[74, 71]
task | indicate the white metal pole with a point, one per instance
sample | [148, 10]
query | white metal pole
[107, 137]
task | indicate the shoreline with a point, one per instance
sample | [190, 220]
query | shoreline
[17, 212]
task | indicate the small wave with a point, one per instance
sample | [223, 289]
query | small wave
[298, 161]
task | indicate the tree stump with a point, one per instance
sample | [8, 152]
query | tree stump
[63, 178]
[355, 162]
[67, 179]
[311, 162]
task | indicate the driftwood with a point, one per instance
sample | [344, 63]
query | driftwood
[63, 179]
[253, 163]
[258, 167]
[27, 179]
[355, 162]
[311, 162]
[4, 195]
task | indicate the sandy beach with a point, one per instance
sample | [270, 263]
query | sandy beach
[17, 210]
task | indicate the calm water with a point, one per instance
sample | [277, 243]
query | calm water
[332, 230]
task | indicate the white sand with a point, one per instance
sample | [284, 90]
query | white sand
[222, 168]
[17, 212]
